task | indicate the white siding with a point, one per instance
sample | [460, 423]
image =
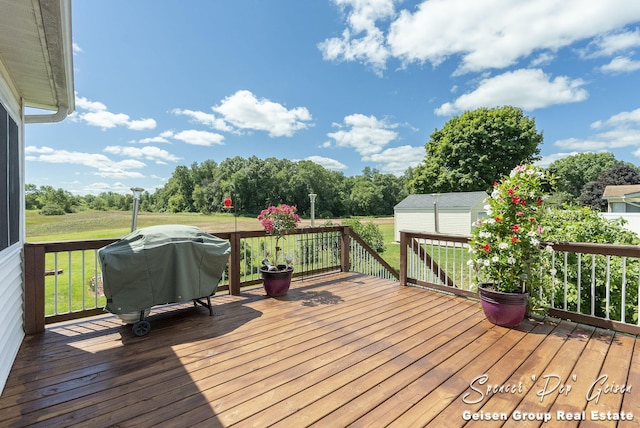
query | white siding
[416, 220]
[633, 220]
[11, 288]
[11, 313]
[413, 220]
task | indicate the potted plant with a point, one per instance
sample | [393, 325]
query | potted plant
[276, 274]
[505, 245]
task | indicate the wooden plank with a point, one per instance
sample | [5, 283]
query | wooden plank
[95, 344]
[145, 379]
[554, 380]
[341, 349]
[446, 371]
[444, 406]
[320, 409]
[631, 403]
[270, 373]
[605, 394]
[585, 372]
[364, 396]
[531, 371]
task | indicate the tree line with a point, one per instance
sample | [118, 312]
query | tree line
[469, 153]
[252, 184]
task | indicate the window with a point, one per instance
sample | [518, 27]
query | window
[9, 180]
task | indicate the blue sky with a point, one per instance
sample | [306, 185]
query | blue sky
[345, 83]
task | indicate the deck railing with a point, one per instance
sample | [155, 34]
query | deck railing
[63, 280]
[594, 284]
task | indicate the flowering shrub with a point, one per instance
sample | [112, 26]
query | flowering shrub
[279, 221]
[505, 246]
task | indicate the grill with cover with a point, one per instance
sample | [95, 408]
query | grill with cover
[158, 265]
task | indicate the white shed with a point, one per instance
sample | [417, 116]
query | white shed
[456, 212]
[36, 71]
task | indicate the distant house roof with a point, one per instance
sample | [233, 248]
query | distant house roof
[460, 200]
[627, 190]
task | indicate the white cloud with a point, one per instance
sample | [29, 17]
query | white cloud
[549, 159]
[76, 49]
[150, 153]
[529, 89]
[199, 138]
[96, 114]
[363, 41]
[163, 137]
[620, 130]
[327, 163]
[612, 43]
[203, 118]
[246, 112]
[625, 118]
[396, 160]
[104, 166]
[141, 125]
[366, 134]
[621, 64]
[86, 104]
[482, 34]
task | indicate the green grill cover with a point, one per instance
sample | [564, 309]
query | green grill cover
[161, 264]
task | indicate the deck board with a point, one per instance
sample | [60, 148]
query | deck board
[341, 349]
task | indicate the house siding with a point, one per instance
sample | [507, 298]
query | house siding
[456, 222]
[11, 288]
[11, 309]
[457, 211]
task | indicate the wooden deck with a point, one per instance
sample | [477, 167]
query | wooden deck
[341, 349]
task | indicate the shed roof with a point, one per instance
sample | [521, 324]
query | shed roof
[460, 200]
[628, 190]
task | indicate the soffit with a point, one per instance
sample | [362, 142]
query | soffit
[36, 51]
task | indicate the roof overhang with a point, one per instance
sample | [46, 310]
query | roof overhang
[36, 52]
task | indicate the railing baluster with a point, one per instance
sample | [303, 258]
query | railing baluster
[69, 284]
[55, 283]
[623, 303]
[579, 282]
[593, 284]
[553, 278]
[608, 288]
[82, 279]
[566, 283]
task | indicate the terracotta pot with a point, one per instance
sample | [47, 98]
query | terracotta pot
[276, 282]
[504, 309]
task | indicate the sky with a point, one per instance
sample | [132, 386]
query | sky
[347, 84]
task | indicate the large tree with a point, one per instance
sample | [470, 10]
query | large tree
[620, 173]
[573, 172]
[473, 150]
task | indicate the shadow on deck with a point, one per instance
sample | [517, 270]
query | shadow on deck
[340, 349]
